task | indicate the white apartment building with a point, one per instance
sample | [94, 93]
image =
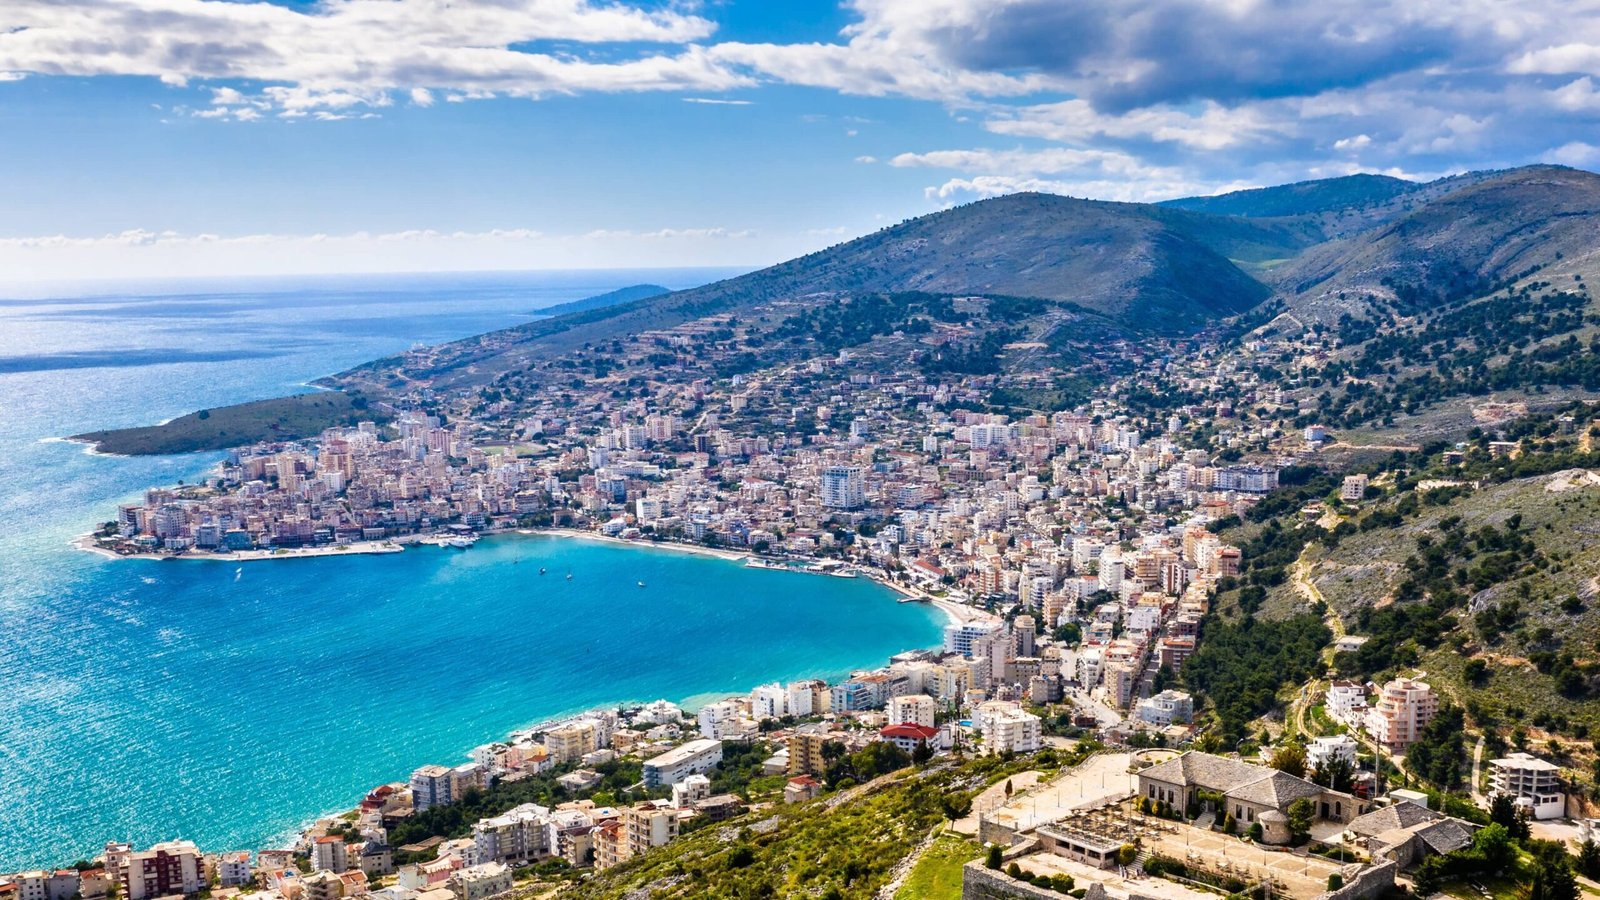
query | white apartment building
[1346, 702]
[1534, 783]
[970, 639]
[1324, 750]
[673, 766]
[769, 701]
[1167, 708]
[843, 487]
[1006, 726]
[1404, 708]
[328, 853]
[714, 717]
[912, 709]
[233, 869]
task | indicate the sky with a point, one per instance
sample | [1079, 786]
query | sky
[214, 137]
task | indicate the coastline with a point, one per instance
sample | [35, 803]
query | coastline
[956, 613]
[358, 548]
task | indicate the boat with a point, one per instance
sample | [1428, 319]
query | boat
[460, 543]
[541, 570]
[569, 576]
[641, 584]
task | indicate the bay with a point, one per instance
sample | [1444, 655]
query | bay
[230, 704]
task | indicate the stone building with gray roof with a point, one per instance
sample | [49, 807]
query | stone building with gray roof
[1240, 789]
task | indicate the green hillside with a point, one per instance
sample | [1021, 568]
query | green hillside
[1301, 198]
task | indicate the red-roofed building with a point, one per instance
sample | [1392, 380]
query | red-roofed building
[801, 788]
[907, 736]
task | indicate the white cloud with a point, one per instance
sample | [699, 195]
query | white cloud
[712, 101]
[421, 97]
[1573, 153]
[336, 54]
[1353, 143]
[1214, 127]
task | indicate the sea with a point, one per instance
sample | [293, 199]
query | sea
[231, 704]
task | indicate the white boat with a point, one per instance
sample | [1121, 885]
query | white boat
[460, 543]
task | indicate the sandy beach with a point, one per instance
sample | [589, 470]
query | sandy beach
[623, 542]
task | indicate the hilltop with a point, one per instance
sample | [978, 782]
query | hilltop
[1489, 231]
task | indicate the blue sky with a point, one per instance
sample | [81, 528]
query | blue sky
[143, 137]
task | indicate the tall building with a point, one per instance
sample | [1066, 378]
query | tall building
[805, 753]
[1404, 708]
[964, 638]
[432, 786]
[165, 869]
[843, 488]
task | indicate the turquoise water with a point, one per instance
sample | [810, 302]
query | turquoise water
[231, 704]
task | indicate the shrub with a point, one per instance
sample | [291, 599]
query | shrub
[1335, 881]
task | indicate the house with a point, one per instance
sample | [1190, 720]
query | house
[800, 789]
[1167, 708]
[480, 881]
[909, 737]
[1533, 783]
[1406, 833]
[1242, 790]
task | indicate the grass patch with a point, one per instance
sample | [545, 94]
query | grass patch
[937, 875]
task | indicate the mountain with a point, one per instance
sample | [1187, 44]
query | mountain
[1496, 229]
[1301, 198]
[1144, 269]
[611, 298]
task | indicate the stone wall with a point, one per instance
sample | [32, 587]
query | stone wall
[1367, 884]
[980, 883]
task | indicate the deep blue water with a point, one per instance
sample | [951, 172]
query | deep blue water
[148, 700]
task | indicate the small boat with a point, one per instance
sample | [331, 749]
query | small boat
[460, 543]
[641, 584]
[569, 576]
[541, 570]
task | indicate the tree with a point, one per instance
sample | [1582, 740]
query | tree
[955, 806]
[1290, 759]
[995, 857]
[1301, 814]
[1126, 854]
[1589, 859]
[1335, 774]
[922, 753]
[1503, 811]
[1552, 880]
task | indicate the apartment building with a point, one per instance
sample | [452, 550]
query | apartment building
[692, 758]
[173, 867]
[1404, 708]
[432, 786]
[1534, 784]
[912, 709]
